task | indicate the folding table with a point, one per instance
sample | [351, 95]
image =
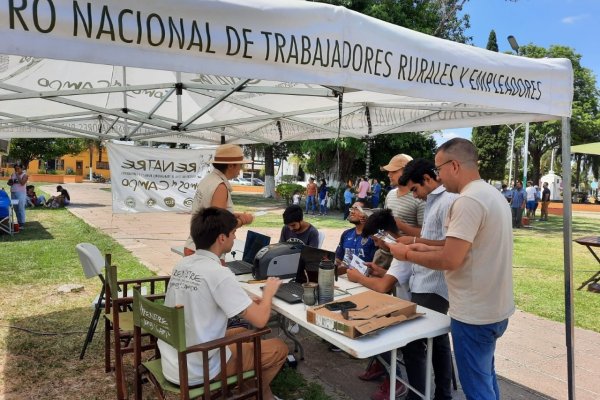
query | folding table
[590, 242]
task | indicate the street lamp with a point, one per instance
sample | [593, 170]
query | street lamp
[513, 43]
[515, 46]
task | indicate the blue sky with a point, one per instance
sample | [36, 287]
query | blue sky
[573, 23]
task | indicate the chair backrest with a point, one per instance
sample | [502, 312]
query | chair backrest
[162, 322]
[321, 238]
[91, 259]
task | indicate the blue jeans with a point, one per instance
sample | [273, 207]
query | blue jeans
[310, 201]
[474, 347]
[22, 197]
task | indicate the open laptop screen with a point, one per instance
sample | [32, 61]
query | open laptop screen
[310, 257]
[254, 242]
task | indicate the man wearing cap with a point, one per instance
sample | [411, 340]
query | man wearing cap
[408, 212]
[18, 191]
[214, 190]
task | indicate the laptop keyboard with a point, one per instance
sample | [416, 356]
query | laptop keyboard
[290, 292]
[239, 267]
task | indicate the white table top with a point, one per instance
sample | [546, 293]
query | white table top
[431, 324]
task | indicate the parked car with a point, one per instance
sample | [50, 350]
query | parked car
[240, 181]
[257, 182]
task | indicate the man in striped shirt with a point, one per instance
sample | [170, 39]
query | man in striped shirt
[427, 286]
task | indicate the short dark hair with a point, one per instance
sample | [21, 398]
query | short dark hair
[293, 214]
[380, 220]
[416, 170]
[220, 167]
[209, 223]
[29, 187]
[59, 188]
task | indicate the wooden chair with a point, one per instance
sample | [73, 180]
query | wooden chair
[119, 320]
[168, 324]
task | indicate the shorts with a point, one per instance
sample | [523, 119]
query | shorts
[530, 204]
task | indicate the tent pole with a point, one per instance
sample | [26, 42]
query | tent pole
[568, 254]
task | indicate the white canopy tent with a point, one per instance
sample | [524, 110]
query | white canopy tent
[260, 71]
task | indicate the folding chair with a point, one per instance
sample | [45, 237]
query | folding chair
[168, 324]
[92, 262]
[6, 213]
[119, 319]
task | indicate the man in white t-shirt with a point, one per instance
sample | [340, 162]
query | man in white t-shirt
[477, 260]
[211, 295]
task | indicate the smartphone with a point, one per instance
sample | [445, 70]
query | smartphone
[340, 305]
[386, 237]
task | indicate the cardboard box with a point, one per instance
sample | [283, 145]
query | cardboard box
[374, 311]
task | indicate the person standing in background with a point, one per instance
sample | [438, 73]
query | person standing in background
[545, 202]
[311, 194]
[323, 197]
[375, 193]
[517, 205]
[363, 190]
[348, 197]
[214, 190]
[18, 191]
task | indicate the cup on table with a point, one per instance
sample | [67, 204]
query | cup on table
[311, 293]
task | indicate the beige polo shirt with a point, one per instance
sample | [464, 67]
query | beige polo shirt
[481, 291]
[204, 194]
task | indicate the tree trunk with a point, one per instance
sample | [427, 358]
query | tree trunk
[269, 191]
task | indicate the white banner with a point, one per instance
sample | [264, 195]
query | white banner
[147, 179]
[290, 41]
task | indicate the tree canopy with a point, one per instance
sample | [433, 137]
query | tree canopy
[27, 150]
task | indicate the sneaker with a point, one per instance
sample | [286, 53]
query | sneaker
[383, 392]
[335, 349]
[375, 371]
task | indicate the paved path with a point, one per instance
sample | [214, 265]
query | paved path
[530, 358]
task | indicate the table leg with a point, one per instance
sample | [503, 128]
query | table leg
[394, 354]
[291, 336]
[428, 368]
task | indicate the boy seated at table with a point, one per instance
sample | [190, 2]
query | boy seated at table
[296, 229]
[210, 295]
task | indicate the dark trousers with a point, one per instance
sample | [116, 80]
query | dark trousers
[517, 217]
[415, 354]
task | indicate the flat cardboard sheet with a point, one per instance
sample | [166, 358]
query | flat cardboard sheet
[374, 311]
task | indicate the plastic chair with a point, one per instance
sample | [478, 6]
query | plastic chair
[92, 262]
[118, 319]
[321, 239]
[168, 324]
[5, 213]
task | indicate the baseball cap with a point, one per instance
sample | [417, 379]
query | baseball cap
[397, 162]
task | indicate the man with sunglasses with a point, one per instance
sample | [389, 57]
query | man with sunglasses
[477, 260]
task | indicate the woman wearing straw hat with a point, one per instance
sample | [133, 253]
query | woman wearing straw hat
[214, 190]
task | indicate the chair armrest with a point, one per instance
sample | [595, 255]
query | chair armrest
[149, 279]
[227, 340]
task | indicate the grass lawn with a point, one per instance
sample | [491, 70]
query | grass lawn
[41, 331]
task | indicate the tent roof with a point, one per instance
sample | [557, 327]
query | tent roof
[588, 148]
[260, 72]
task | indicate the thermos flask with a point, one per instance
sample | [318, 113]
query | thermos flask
[326, 277]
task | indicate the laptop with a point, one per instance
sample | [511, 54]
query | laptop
[310, 257]
[254, 242]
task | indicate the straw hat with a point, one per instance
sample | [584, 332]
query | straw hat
[229, 154]
[397, 162]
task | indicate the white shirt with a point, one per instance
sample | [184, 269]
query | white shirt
[210, 295]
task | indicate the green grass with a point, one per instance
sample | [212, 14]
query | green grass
[42, 257]
[539, 272]
[44, 362]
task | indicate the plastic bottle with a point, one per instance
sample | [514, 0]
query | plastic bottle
[326, 277]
